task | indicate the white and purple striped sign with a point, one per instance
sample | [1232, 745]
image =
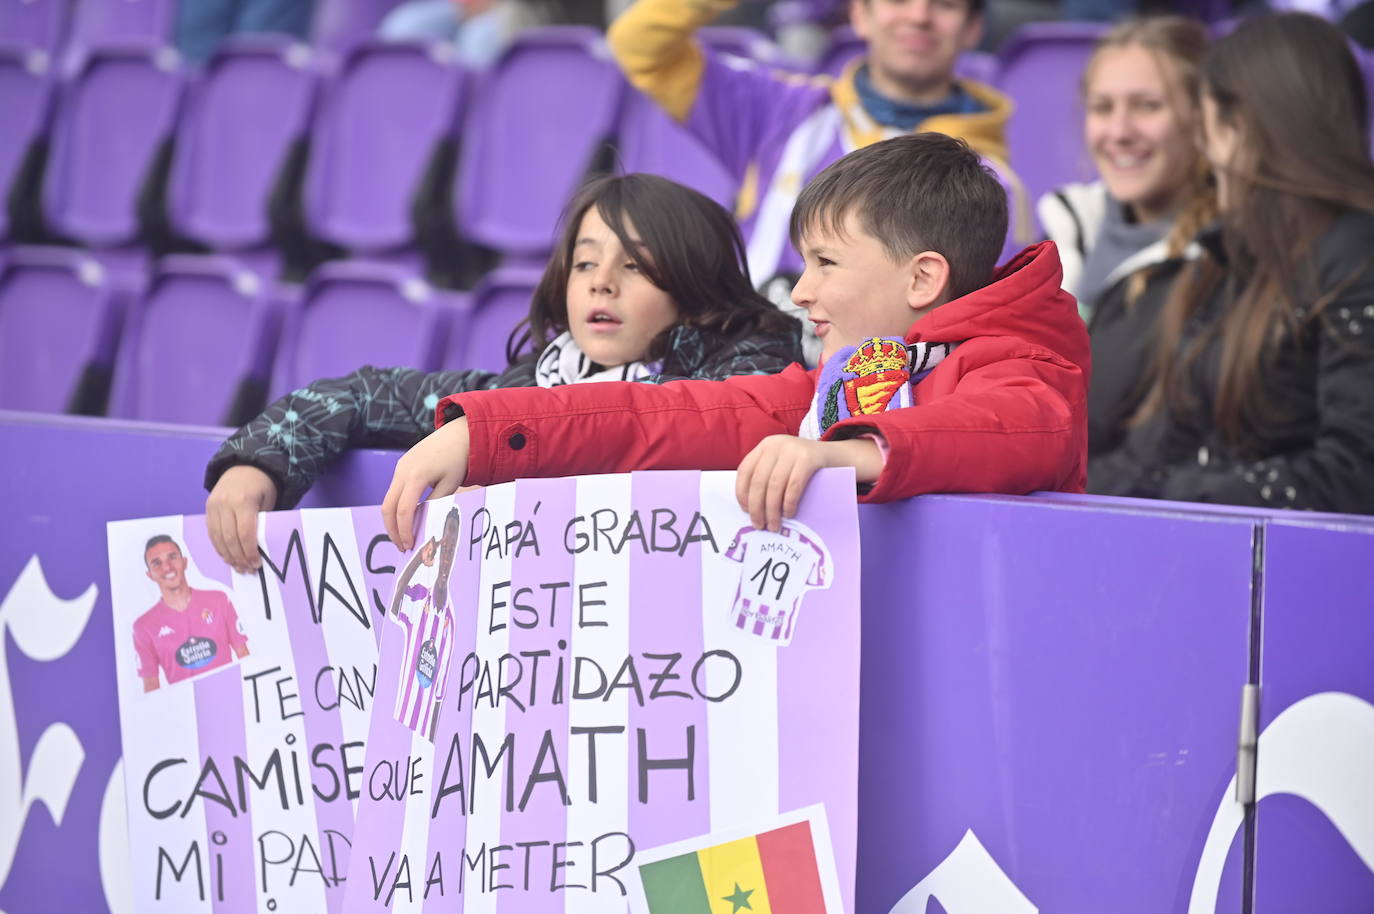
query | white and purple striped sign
[242, 775]
[601, 699]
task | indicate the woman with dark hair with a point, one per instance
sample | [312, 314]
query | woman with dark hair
[1264, 365]
[648, 282]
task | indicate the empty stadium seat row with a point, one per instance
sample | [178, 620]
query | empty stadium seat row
[208, 342]
[396, 136]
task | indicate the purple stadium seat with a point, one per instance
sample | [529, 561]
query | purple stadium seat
[533, 133]
[978, 65]
[844, 47]
[1365, 58]
[1331, 10]
[1041, 69]
[381, 119]
[251, 106]
[357, 313]
[651, 141]
[114, 115]
[102, 21]
[59, 331]
[193, 304]
[36, 24]
[499, 302]
[27, 90]
[339, 24]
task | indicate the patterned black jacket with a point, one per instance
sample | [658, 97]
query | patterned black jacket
[300, 436]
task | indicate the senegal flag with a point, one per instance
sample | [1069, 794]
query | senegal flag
[773, 872]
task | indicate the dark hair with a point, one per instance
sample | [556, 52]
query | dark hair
[914, 193]
[688, 246]
[448, 548]
[452, 522]
[1292, 89]
[158, 541]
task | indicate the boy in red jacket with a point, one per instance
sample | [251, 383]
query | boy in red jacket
[937, 374]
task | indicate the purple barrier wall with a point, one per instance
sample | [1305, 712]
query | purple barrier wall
[59, 736]
[1051, 688]
[1316, 753]
[1059, 681]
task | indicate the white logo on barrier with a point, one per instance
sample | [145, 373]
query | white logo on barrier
[115, 878]
[44, 627]
[968, 881]
[1321, 749]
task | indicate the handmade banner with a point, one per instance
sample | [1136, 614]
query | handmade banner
[244, 705]
[590, 687]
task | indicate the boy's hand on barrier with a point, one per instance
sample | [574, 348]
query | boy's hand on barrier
[231, 514]
[773, 476]
[438, 463]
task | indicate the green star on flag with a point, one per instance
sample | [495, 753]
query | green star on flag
[739, 899]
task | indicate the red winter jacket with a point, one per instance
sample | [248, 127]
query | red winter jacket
[1005, 412]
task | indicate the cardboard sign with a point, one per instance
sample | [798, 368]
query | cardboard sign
[577, 679]
[614, 665]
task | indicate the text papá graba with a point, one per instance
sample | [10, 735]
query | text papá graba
[655, 530]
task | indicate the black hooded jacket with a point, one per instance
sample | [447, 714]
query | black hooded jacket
[1317, 451]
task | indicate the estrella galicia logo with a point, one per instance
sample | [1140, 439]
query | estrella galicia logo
[424, 664]
[196, 652]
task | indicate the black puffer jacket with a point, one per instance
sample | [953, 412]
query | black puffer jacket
[1318, 454]
[299, 436]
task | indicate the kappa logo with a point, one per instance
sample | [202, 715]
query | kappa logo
[165, 631]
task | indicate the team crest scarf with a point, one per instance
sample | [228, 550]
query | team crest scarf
[873, 377]
[564, 362]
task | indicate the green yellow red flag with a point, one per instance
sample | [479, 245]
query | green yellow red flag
[773, 871]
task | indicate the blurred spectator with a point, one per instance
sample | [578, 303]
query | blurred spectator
[202, 24]
[1125, 238]
[479, 29]
[1265, 359]
[773, 132]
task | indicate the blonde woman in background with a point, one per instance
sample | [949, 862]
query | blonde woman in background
[1124, 238]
